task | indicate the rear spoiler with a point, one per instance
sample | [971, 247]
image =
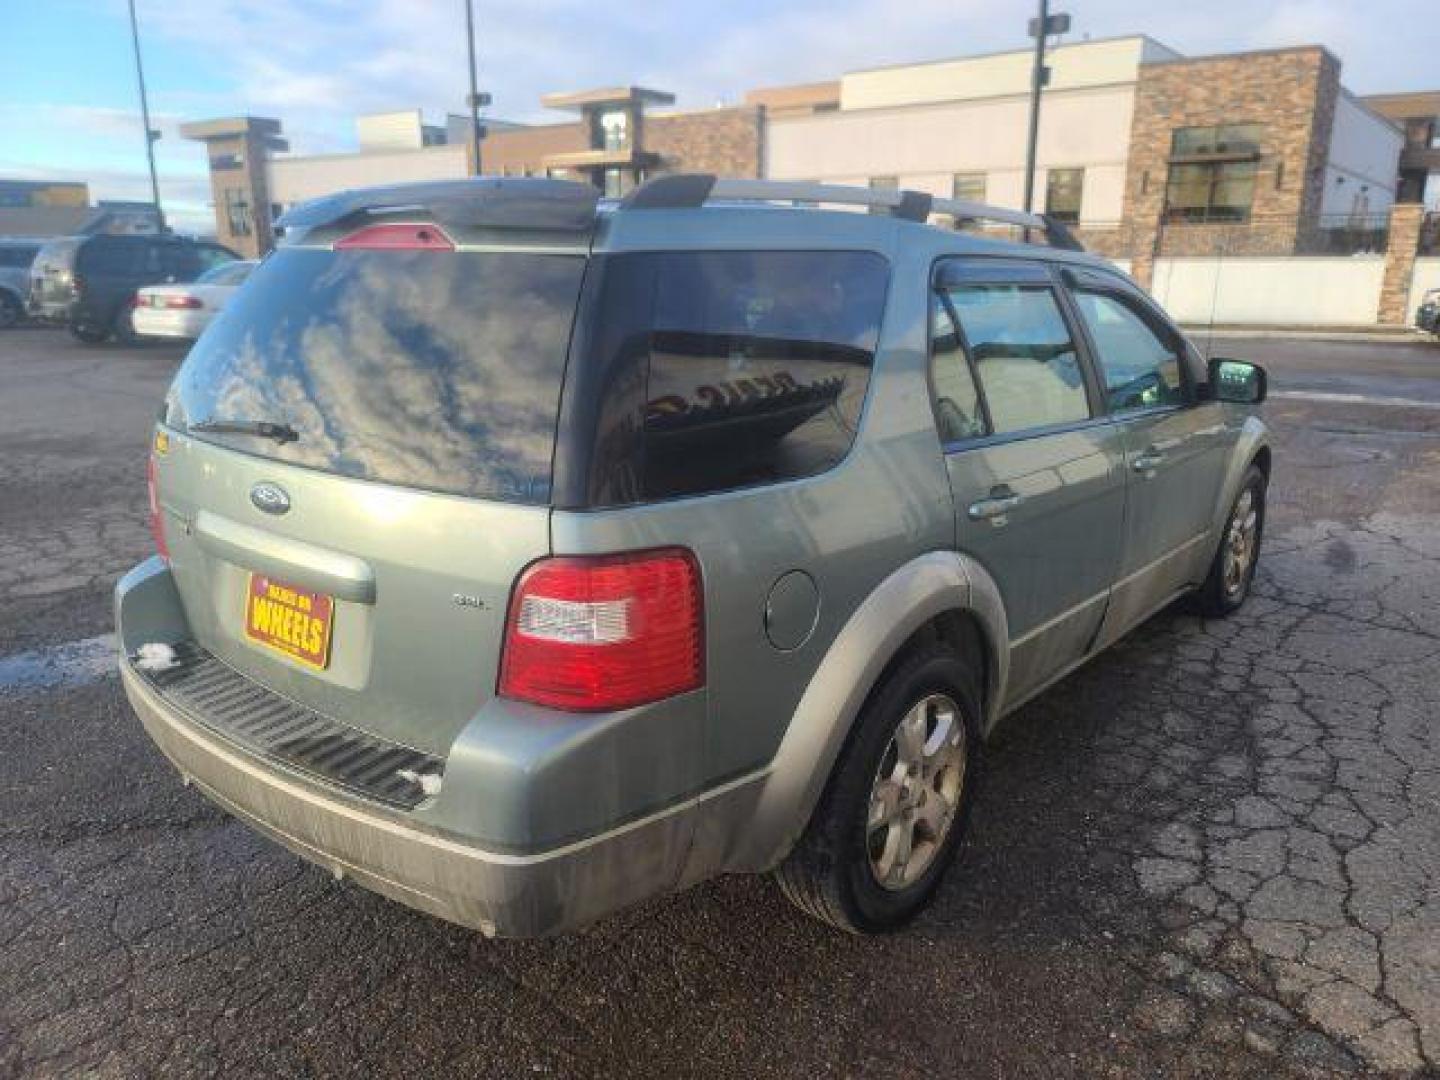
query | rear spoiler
[534, 204]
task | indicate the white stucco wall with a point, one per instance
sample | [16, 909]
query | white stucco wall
[1363, 161]
[299, 178]
[1427, 277]
[924, 145]
[1298, 291]
[1084, 64]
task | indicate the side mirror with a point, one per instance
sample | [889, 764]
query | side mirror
[1237, 381]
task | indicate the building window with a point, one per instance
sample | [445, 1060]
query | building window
[615, 130]
[617, 183]
[1212, 173]
[968, 186]
[1064, 189]
[237, 212]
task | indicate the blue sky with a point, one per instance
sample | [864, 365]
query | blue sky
[69, 109]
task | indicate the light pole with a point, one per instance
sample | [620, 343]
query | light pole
[475, 99]
[151, 135]
[1040, 27]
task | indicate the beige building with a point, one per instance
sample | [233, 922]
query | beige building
[1143, 150]
[1130, 132]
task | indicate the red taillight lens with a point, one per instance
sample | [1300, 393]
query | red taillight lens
[587, 634]
[137, 300]
[183, 302]
[157, 517]
[396, 237]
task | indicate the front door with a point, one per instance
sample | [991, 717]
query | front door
[1036, 474]
[1175, 446]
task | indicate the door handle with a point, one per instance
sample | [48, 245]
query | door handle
[1149, 461]
[994, 508]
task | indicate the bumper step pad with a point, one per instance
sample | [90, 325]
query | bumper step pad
[220, 699]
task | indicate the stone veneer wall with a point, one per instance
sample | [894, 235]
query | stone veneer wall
[1292, 93]
[725, 142]
[1406, 221]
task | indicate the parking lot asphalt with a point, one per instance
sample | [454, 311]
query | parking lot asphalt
[1213, 851]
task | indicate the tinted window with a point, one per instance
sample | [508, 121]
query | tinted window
[759, 362]
[19, 257]
[116, 256]
[428, 369]
[1141, 371]
[957, 404]
[1022, 349]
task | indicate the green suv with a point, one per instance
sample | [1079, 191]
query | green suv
[522, 557]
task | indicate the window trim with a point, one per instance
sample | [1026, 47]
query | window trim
[1009, 270]
[1072, 280]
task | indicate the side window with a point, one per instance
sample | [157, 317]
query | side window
[1141, 371]
[957, 402]
[178, 260]
[1029, 369]
[758, 365]
[212, 255]
[107, 257]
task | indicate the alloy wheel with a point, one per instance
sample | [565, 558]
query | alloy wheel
[1240, 543]
[916, 791]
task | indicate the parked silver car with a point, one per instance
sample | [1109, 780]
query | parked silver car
[522, 558]
[15, 259]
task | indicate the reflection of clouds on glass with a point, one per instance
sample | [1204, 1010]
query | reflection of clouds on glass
[439, 371]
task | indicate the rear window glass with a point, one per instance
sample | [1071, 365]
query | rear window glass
[436, 370]
[754, 370]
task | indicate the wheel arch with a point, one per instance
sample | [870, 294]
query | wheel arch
[944, 595]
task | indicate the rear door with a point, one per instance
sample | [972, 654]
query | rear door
[1175, 445]
[361, 562]
[1035, 471]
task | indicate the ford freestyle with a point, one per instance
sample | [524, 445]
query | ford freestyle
[522, 557]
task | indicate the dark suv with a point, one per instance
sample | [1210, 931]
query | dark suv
[88, 282]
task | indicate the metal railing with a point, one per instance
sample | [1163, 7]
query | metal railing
[1260, 234]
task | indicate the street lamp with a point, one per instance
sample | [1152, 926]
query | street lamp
[475, 99]
[1041, 27]
[151, 135]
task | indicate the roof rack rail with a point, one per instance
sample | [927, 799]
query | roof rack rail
[690, 190]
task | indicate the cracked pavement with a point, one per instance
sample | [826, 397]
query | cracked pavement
[1213, 851]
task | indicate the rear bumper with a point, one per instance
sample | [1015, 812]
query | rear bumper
[437, 857]
[169, 323]
[495, 892]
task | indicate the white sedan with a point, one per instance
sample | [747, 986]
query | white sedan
[183, 311]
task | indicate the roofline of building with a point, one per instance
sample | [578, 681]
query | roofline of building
[1027, 50]
[1276, 51]
[945, 103]
[1432, 97]
[1361, 102]
[606, 95]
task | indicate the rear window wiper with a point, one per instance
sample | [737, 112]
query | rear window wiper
[265, 429]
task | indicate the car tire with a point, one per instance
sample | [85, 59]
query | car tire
[855, 867]
[123, 326]
[1232, 571]
[89, 333]
[11, 310]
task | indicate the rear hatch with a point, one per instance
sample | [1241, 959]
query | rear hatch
[357, 467]
[52, 272]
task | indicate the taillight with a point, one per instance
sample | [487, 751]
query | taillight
[157, 517]
[396, 236]
[592, 633]
[183, 302]
[137, 300]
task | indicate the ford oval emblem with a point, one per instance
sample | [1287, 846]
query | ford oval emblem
[270, 498]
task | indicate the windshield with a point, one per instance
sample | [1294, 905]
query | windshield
[437, 370]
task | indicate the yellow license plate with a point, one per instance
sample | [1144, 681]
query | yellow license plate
[294, 622]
